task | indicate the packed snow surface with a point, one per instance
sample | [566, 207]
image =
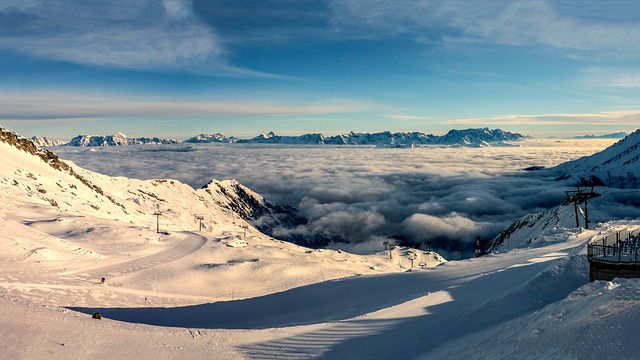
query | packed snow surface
[526, 303]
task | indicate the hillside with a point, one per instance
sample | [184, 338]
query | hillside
[538, 229]
[617, 165]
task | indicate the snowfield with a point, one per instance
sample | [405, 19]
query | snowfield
[527, 303]
[184, 293]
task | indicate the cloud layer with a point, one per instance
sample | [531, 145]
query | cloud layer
[43, 105]
[619, 118]
[440, 195]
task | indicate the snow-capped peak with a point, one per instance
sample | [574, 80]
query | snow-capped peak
[43, 141]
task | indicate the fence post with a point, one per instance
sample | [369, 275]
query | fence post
[619, 250]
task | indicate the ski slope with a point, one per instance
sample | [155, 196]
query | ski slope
[452, 311]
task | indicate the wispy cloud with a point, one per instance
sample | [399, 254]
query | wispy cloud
[266, 22]
[519, 22]
[612, 78]
[401, 117]
[159, 35]
[56, 106]
[179, 9]
[628, 118]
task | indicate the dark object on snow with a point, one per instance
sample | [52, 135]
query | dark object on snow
[534, 168]
[97, 316]
[591, 180]
[102, 280]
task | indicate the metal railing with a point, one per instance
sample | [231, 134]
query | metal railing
[621, 247]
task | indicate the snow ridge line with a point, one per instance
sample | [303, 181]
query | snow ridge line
[52, 160]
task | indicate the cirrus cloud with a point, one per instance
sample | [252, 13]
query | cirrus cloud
[628, 118]
[140, 35]
[44, 105]
[518, 23]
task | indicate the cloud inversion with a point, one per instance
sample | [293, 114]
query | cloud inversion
[442, 195]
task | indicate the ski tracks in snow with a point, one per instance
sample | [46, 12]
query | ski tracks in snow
[191, 244]
[86, 285]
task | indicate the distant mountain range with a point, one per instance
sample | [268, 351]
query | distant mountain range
[617, 135]
[468, 137]
[211, 138]
[115, 140]
[47, 142]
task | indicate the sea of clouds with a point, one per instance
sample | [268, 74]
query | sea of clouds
[446, 196]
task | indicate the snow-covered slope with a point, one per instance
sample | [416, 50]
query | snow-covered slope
[617, 165]
[595, 321]
[537, 229]
[528, 303]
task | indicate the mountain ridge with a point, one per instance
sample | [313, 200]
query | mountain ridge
[118, 139]
[465, 137]
[479, 136]
[616, 165]
[616, 135]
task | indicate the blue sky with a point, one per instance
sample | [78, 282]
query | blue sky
[177, 68]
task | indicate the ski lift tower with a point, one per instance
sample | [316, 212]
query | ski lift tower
[157, 214]
[200, 217]
[582, 194]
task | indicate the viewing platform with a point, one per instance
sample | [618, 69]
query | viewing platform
[616, 255]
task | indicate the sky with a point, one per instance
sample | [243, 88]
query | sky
[178, 68]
